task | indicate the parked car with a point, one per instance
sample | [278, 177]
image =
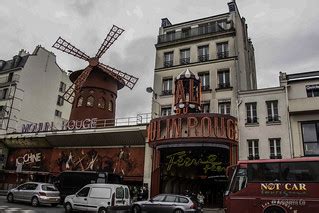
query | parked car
[166, 203]
[99, 198]
[35, 193]
[69, 182]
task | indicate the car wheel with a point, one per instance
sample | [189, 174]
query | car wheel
[54, 204]
[68, 208]
[178, 211]
[136, 209]
[34, 202]
[10, 198]
[102, 210]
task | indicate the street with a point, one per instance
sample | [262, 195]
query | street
[6, 207]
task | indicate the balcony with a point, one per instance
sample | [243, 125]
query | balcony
[194, 33]
[221, 55]
[167, 92]
[224, 85]
[303, 105]
[9, 79]
[273, 119]
[185, 61]
[202, 58]
[251, 121]
[168, 63]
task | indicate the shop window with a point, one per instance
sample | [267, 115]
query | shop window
[101, 103]
[80, 102]
[90, 101]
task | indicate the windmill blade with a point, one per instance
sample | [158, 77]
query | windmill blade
[67, 47]
[69, 94]
[76, 86]
[111, 37]
[127, 79]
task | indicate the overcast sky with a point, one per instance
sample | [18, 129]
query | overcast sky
[284, 33]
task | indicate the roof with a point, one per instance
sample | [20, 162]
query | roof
[9, 65]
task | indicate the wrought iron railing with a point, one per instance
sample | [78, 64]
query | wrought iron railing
[202, 58]
[185, 60]
[221, 55]
[140, 119]
[168, 63]
[251, 120]
[194, 32]
[167, 92]
[224, 85]
[274, 119]
[7, 79]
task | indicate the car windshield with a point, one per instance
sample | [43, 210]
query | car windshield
[49, 188]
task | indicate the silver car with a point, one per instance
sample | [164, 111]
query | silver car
[35, 193]
[166, 203]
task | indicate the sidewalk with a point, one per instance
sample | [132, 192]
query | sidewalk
[206, 210]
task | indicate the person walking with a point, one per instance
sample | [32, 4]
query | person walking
[200, 199]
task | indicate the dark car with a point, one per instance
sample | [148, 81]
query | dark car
[169, 203]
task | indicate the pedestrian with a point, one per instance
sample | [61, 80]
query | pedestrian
[200, 199]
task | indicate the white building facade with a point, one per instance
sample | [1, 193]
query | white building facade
[31, 89]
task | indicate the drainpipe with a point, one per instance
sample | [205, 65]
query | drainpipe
[292, 153]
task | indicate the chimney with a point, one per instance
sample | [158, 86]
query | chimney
[232, 6]
[22, 53]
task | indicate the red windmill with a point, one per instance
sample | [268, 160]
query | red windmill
[94, 90]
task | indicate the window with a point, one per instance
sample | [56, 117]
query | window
[62, 87]
[158, 198]
[272, 109]
[170, 35]
[253, 149]
[168, 59]
[240, 180]
[167, 86]
[166, 111]
[102, 193]
[251, 111]
[170, 198]
[206, 108]
[203, 53]
[312, 90]
[4, 93]
[3, 111]
[221, 25]
[203, 29]
[310, 135]
[50, 188]
[182, 200]
[300, 171]
[185, 56]
[223, 78]
[60, 100]
[186, 32]
[119, 191]
[275, 150]
[80, 102]
[101, 103]
[222, 50]
[58, 113]
[84, 192]
[110, 106]
[90, 101]
[263, 172]
[224, 108]
[10, 77]
[204, 78]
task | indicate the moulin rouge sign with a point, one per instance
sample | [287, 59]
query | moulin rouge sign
[193, 126]
[67, 125]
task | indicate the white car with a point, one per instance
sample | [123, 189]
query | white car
[99, 198]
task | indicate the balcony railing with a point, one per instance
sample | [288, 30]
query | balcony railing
[253, 157]
[185, 60]
[273, 119]
[223, 85]
[202, 58]
[167, 92]
[278, 156]
[194, 32]
[168, 63]
[221, 55]
[252, 120]
[8, 79]
[205, 87]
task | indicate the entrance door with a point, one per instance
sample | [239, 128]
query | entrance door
[80, 200]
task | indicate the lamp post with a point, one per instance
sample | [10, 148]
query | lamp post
[155, 112]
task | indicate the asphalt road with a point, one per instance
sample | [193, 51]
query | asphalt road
[6, 207]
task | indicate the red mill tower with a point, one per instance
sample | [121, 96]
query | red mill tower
[94, 90]
[191, 149]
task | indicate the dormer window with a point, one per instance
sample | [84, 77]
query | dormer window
[90, 101]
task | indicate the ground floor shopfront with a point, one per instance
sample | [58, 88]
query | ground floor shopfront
[192, 155]
[43, 156]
